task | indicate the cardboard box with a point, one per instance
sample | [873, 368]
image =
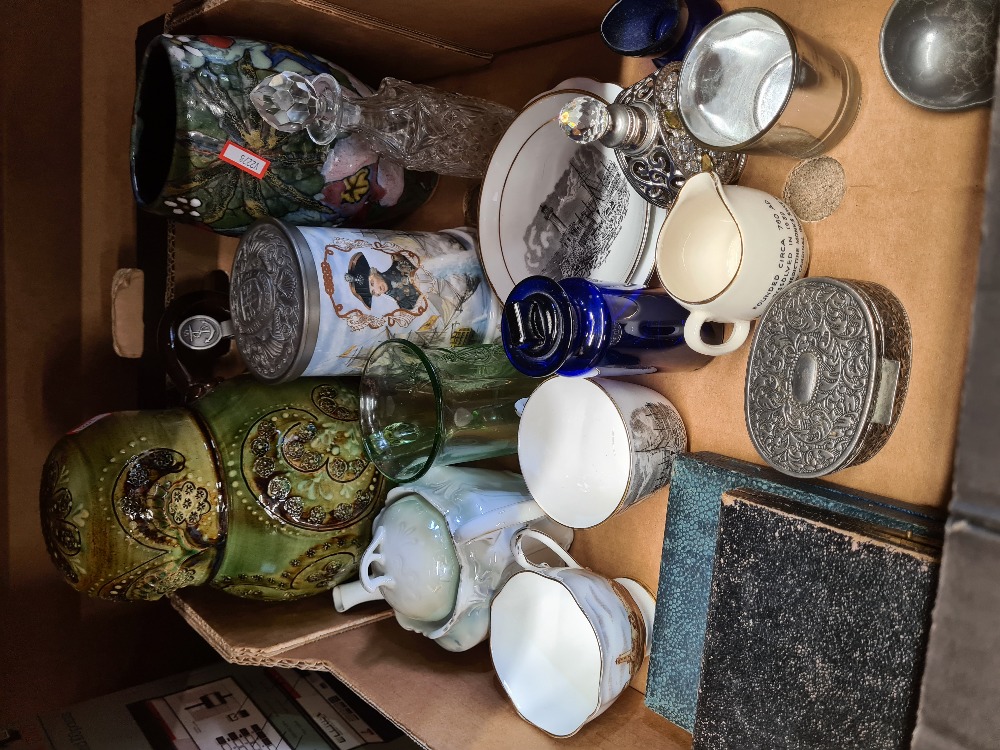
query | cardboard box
[415, 41]
[909, 220]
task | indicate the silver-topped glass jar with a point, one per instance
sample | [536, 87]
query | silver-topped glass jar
[308, 300]
[653, 148]
[828, 372]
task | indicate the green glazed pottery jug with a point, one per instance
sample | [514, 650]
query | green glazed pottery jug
[264, 491]
[201, 153]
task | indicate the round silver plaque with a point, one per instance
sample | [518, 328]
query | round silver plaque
[272, 301]
[828, 372]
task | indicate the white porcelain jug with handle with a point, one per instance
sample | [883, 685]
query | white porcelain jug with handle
[724, 252]
[441, 548]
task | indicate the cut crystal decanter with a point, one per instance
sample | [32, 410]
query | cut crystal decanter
[421, 127]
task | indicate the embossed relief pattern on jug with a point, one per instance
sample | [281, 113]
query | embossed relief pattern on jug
[297, 462]
[809, 394]
[142, 523]
[302, 473]
[62, 520]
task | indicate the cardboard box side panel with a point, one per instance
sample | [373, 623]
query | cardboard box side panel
[255, 629]
[66, 226]
[489, 25]
[977, 471]
[958, 704]
[467, 29]
[368, 47]
[962, 675]
[446, 700]
[6, 571]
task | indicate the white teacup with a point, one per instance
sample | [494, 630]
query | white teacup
[724, 252]
[566, 641]
[592, 448]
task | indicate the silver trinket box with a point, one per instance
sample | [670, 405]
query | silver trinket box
[828, 372]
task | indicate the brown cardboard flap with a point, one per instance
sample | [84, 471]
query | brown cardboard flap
[449, 700]
[490, 25]
[368, 47]
[249, 632]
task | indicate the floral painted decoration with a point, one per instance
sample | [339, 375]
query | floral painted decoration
[341, 184]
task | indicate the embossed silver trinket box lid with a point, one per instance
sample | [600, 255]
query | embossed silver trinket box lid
[828, 372]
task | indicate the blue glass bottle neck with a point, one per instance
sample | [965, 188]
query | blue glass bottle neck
[553, 327]
[593, 323]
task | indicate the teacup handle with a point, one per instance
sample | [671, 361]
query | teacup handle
[519, 513]
[373, 555]
[546, 540]
[692, 335]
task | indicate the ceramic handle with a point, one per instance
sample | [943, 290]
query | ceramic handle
[515, 514]
[546, 540]
[373, 555]
[692, 335]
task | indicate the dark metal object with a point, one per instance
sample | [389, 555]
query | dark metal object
[940, 54]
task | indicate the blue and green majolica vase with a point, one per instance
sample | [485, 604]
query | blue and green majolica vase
[201, 153]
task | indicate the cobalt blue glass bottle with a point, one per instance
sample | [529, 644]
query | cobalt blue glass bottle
[661, 29]
[577, 327]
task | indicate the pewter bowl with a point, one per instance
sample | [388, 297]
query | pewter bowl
[940, 54]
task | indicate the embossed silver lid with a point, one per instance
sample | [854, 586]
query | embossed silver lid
[273, 301]
[828, 372]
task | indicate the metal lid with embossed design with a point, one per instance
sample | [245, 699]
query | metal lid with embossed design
[273, 297]
[828, 373]
[653, 148]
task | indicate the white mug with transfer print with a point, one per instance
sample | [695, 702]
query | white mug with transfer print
[566, 641]
[724, 252]
[592, 448]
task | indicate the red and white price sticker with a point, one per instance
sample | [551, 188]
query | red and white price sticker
[248, 161]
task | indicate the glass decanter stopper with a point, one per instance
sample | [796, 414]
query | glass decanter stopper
[421, 127]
